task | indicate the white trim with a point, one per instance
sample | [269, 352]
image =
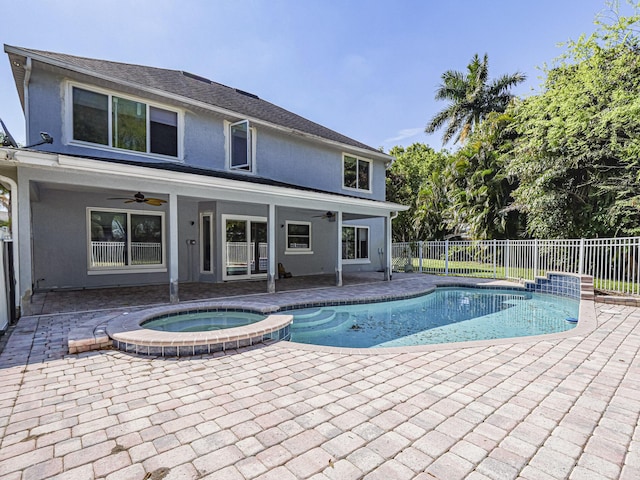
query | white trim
[154, 268]
[298, 251]
[182, 99]
[223, 236]
[356, 261]
[369, 177]
[15, 234]
[252, 144]
[124, 271]
[68, 118]
[214, 188]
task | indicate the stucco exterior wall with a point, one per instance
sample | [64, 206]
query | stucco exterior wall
[285, 158]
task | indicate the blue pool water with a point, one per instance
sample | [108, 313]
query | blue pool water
[446, 315]
[202, 321]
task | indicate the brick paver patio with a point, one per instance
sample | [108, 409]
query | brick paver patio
[550, 409]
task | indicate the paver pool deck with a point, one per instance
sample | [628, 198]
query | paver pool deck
[541, 409]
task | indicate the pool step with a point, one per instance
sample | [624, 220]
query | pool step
[340, 321]
[319, 317]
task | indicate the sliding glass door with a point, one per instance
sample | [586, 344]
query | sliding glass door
[245, 247]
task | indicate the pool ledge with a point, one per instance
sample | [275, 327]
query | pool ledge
[127, 334]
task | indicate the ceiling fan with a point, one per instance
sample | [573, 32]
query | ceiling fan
[140, 198]
[331, 216]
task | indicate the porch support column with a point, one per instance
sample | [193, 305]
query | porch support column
[173, 248]
[271, 245]
[387, 248]
[339, 249]
[22, 247]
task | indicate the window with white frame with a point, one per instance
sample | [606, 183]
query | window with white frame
[356, 173]
[355, 244]
[241, 139]
[125, 239]
[298, 237]
[118, 122]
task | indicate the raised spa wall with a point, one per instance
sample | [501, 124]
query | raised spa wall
[562, 284]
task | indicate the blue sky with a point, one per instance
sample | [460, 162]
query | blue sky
[368, 69]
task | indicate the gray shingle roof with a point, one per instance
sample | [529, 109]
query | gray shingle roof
[196, 88]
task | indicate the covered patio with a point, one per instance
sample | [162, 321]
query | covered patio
[65, 301]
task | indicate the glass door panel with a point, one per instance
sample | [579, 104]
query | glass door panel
[206, 243]
[237, 254]
[259, 247]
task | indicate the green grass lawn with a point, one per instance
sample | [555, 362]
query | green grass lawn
[484, 270]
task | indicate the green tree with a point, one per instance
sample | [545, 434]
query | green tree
[417, 179]
[470, 98]
[577, 155]
[480, 187]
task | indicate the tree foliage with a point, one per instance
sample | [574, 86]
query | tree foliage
[564, 163]
[416, 179]
[480, 186]
[471, 98]
[578, 148]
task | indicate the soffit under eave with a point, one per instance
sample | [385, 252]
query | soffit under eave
[17, 63]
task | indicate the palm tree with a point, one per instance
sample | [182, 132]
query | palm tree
[470, 98]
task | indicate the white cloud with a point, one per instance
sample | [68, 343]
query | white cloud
[404, 134]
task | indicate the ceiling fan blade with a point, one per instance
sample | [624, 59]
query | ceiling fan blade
[325, 215]
[130, 200]
[156, 202]
[119, 198]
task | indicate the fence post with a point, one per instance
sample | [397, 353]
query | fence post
[535, 258]
[507, 260]
[420, 255]
[494, 259]
[581, 261]
[446, 258]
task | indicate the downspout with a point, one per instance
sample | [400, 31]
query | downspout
[27, 78]
[388, 269]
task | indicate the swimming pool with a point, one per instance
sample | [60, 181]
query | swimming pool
[444, 316]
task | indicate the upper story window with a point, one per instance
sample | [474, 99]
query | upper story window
[356, 173]
[124, 123]
[241, 146]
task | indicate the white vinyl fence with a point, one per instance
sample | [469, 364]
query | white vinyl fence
[614, 263]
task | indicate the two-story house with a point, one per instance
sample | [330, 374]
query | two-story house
[161, 176]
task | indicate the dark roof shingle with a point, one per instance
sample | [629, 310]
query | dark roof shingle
[199, 89]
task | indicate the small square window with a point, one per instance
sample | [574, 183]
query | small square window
[298, 237]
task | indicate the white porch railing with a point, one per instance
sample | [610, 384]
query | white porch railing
[614, 263]
[114, 254]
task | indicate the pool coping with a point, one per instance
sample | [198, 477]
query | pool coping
[123, 330]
